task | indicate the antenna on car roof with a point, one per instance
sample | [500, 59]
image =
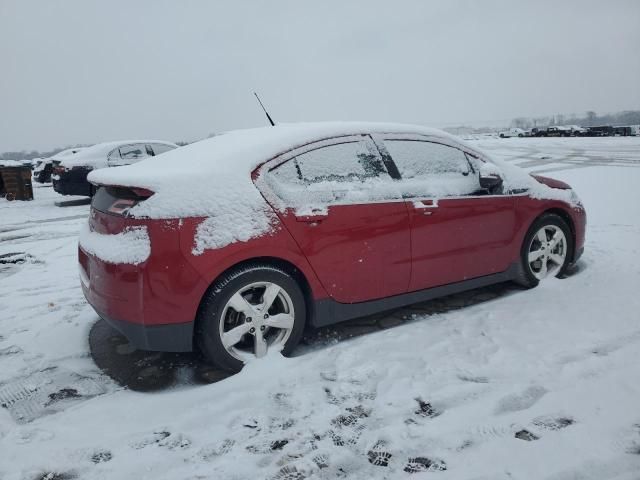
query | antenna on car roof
[265, 110]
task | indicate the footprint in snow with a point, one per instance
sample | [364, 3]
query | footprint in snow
[101, 456]
[55, 476]
[210, 452]
[289, 473]
[553, 423]
[526, 435]
[425, 409]
[520, 401]
[163, 438]
[379, 458]
[424, 464]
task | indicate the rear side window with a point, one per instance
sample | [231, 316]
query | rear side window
[133, 152]
[343, 162]
[416, 159]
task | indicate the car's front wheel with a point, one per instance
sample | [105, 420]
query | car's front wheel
[546, 251]
[250, 311]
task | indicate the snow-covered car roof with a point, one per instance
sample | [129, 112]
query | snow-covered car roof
[237, 153]
[218, 170]
[96, 155]
[65, 153]
[212, 178]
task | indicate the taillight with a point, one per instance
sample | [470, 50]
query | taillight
[58, 169]
[119, 200]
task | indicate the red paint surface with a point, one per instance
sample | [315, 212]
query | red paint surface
[352, 253]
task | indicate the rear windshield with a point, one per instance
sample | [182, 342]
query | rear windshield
[105, 197]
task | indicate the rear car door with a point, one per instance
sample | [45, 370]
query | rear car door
[458, 232]
[339, 203]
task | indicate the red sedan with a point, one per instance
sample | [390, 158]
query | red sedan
[233, 244]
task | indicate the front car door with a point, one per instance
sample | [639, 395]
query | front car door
[339, 203]
[458, 232]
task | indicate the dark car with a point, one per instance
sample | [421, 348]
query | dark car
[70, 173]
[262, 231]
[44, 166]
[601, 131]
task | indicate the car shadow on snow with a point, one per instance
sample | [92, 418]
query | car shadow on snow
[153, 371]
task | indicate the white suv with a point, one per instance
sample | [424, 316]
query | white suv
[512, 132]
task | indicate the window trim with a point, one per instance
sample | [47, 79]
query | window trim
[377, 138]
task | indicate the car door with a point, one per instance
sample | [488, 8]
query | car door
[343, 209]
[458, 232]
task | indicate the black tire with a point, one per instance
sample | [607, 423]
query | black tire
[501, 135]
[525, 276]
[207, 333]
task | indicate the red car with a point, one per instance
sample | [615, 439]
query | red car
[233, 244]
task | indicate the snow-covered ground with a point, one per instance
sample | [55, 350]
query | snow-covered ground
[515, 384]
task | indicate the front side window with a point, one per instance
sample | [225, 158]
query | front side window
[431, 169]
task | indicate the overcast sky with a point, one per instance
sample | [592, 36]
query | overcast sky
[87, 71]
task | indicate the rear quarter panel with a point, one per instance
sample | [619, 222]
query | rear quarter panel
[164, 289]
[276, 243]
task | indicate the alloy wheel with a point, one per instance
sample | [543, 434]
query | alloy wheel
[547, 252]
[258, 317]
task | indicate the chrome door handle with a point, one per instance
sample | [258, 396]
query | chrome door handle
[426, 203]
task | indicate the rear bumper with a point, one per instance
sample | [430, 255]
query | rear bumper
[177, 337]
[73, 182]
[153, 303]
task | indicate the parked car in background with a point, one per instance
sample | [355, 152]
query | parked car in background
[44, 166]
[259, 232]
[577, 131]
[70, 174]
[558, 131]
[623, 131]
[512, 132]
[600, 131]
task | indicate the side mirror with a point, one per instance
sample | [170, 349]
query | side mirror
[490, 177]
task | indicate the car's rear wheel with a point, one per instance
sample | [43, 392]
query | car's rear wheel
[251, 311]
[546, 251]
